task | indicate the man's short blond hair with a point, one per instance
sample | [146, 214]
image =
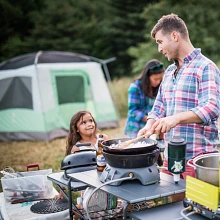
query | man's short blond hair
[170, 23]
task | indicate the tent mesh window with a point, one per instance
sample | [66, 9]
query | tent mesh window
[70, 89]
[16, 92]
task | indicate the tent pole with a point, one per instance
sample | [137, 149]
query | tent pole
[37, 77]
[108, 77]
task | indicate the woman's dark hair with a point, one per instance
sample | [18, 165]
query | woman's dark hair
[152, 67]
[74, 136]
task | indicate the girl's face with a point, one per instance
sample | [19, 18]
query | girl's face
[86, 125]
[156, 79]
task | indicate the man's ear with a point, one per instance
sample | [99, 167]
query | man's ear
[175, 36]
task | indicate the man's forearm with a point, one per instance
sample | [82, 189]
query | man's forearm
[188, 118]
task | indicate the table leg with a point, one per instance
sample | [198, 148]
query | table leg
[69, 198]
[125, 210]
[71, 204]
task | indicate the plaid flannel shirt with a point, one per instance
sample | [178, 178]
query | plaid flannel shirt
[196, 88]
[138, 106]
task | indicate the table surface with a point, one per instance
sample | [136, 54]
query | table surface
[166, 212]
[58, 179]
[133, 191]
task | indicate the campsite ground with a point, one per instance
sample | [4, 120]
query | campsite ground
[49, 155]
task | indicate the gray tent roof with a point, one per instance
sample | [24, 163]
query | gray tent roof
[45, 57]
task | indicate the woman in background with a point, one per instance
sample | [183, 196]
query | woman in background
[141, 95]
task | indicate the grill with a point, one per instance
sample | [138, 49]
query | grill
[78, 162]
[50, 206]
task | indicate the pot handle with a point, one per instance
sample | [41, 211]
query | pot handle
[190, 164]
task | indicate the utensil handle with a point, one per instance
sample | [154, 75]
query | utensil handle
[153, 137]
[28, 200]
[138, 138]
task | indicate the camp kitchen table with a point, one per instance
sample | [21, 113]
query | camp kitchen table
[131, 191]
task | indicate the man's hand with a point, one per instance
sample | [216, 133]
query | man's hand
[146, 130]
[163, 125]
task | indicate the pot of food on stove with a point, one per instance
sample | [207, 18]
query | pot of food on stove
[144, 145]
[207, 167]
[142, 153]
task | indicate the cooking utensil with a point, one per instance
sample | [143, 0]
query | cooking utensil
[8, 175]
[207, 167]
[30, 199]
[150, 145]
[127, 143]
[132, 161]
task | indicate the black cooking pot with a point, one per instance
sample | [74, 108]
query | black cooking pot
[150, 145]
[132, 161]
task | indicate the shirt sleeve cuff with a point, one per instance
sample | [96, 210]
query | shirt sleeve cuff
[153, 116]
[205, 120]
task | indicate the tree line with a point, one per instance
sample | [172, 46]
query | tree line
[103, 28]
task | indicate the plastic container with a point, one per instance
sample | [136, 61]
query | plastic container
[29, 185]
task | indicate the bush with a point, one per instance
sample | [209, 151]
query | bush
[120, 93]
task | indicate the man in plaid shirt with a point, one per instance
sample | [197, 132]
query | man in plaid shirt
[188, 100]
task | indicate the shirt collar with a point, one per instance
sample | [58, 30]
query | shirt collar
[187, 59]
[192, 55]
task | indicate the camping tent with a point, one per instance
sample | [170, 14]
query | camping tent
[39, 93]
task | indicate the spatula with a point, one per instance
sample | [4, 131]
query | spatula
[127, 143]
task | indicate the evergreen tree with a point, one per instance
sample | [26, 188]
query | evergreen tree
[202, 20]
[16, 24]
[127, 29]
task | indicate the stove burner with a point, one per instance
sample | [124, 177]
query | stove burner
[50, 206]
[146, 175]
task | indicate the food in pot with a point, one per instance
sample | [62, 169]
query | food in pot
[133, 145]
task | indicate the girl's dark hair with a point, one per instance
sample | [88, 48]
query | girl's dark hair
[152, 67]
[74, 136]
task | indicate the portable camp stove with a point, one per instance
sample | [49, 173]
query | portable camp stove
[203, 198]
[146, 175]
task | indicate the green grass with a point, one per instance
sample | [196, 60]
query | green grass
[120, 92]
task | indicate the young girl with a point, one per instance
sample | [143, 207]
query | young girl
[83, 129]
